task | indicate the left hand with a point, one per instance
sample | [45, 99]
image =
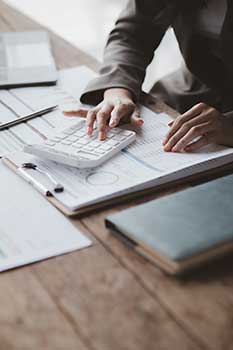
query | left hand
[200, 126]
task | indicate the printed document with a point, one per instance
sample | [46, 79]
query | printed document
[142, 165]
[31, 229]
[21, 101]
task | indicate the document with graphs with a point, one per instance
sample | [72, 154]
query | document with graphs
[31, 229]
[143, 165]
[15, 103]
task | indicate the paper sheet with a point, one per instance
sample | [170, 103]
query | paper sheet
[149, 149]
[38, 231]
[21, 101]
[137, 167]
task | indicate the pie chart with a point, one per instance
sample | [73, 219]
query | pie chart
[102, 178]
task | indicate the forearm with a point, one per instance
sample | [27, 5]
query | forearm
[130, 48]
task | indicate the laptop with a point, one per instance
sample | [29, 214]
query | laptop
[26, 60]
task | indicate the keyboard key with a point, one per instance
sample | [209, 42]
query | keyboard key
[116, 131]
[59, 136]
[119, 138]
[88, 148]
[49, 143]
[100, 151]
[80, 133]
[105, 147]
[68, 132]
[72, 138]
[126, 133]
[112, 143]
[55, 140]
[77, 146]
[109, 136]
[87, 154]
[95, 144]
[67, 143]
[83, 141]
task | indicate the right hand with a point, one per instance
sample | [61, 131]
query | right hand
[117, 105]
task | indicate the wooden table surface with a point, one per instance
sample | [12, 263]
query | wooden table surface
[106, 297]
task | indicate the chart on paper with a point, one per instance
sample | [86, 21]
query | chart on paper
[148, 149]
[22, 101]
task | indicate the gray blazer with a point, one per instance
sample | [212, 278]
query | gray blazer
[131, 45]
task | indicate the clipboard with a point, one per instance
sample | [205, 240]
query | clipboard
[169, 186]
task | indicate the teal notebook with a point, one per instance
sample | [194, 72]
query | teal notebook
[182, 230]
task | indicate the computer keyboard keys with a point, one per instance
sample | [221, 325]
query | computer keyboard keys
[112, 143]
[83, 141]
[65, 142]
[73, 147]
[105, 148]
[87, 154]
[72, 138]
[50, 143]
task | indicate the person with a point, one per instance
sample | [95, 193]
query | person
[201, 90]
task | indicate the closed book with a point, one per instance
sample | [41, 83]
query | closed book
[183, 230]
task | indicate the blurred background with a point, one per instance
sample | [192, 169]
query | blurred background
[86, 24]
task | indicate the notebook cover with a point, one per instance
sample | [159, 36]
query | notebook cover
[184, 224]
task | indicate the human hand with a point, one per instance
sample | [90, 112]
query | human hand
[198, 127]
[117, 105]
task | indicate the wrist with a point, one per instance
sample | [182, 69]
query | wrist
[121, 92]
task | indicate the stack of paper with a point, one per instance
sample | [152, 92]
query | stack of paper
[141, 166]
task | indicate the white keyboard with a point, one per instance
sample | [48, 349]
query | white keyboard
[73, 147]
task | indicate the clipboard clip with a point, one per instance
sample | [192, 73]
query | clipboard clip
[58, 188]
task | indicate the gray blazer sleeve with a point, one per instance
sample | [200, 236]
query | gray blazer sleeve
[130, 48]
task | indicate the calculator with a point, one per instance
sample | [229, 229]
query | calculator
[73, 147]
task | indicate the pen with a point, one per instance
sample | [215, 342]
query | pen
[38, 186]
[58, 187]
[27, 117]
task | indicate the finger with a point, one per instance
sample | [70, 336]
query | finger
[120, 111]
[102, 117]
[184, 129]
[193, 133]
[135, 118]
[81, 112]
[171, 123]
[203, 141]
[91, 117]
[190, 114]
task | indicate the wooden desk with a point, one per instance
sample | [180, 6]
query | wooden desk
[106, 297]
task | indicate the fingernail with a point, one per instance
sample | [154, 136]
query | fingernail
[102, 136]
[170, 123]
[89, 130]
[174, 149]
[112, 124]
[140, 122]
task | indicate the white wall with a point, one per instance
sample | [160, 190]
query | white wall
[86, 24]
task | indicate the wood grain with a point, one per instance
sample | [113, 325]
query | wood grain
[106, 297]
[199, 303]
[101, 301]
[30, 318]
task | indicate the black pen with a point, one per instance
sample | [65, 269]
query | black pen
[27, 117]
